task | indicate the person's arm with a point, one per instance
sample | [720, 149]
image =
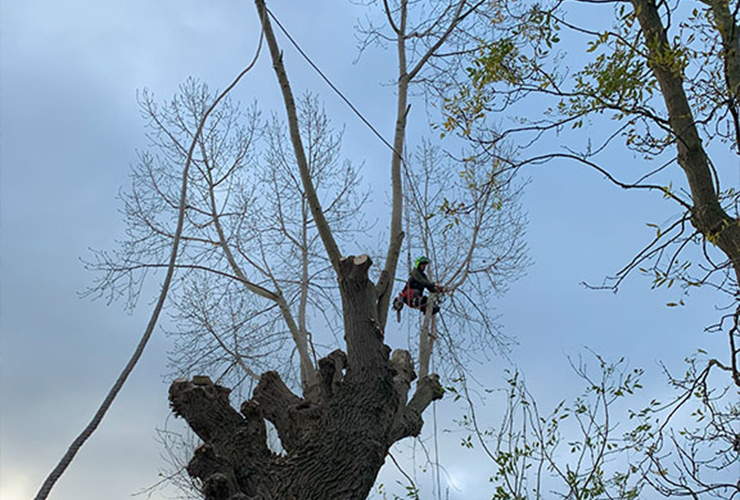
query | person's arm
[422, 279]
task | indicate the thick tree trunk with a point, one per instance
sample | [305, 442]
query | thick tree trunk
[335, 438]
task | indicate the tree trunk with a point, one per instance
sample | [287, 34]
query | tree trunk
[335, 438]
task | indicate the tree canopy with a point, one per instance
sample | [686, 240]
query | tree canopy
[660, 80]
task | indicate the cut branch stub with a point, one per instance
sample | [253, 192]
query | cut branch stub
[355, 268]
[362, 331]
[234, 453]
[331, 373]
[408, 421]
[403, 365]
[206, 464]
[429, 389]
[205, 406]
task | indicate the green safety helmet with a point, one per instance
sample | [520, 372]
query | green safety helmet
[421, 260]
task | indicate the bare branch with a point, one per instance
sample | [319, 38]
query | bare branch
[98, 417]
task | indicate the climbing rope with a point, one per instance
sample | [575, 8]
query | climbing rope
[436, 445]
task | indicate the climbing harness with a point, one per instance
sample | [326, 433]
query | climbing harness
[415, 300]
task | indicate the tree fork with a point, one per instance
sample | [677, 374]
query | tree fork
[292, 416]
[707, 215]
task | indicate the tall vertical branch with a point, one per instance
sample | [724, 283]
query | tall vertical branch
[396, 232]
[322, 225]
[726, 23]
[466, 218]
[427, 336]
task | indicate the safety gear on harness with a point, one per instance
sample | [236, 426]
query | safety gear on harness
[412, 294]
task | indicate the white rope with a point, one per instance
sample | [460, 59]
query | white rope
[436, 444]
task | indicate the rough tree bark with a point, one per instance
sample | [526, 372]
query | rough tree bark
[335, 438]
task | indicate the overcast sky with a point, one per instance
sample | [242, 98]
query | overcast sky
[70, 129]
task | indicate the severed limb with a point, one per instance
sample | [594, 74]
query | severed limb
[408, 421]
[235, 444]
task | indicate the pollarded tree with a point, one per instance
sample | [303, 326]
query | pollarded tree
[253, 262]
[662, 81]
[337, 434]
[238, 247]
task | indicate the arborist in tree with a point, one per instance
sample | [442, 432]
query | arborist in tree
[413, 293]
